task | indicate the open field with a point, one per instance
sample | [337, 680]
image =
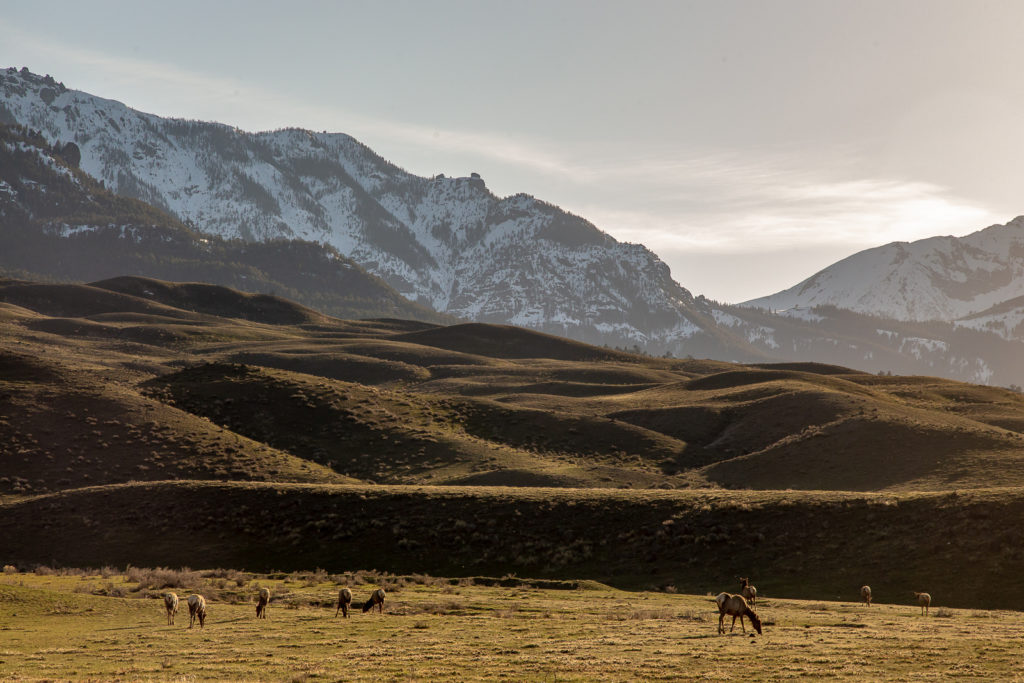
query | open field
[53, 628]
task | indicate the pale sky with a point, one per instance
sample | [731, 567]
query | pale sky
[748, 143]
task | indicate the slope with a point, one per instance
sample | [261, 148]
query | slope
[411, 403]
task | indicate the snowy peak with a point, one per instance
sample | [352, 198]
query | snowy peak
[445, 242]
[939, 278]
[450, 244]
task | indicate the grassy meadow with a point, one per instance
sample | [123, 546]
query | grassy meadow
[57, 628]
[159, 424]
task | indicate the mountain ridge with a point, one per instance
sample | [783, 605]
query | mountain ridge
[938, 278]
[448, 243]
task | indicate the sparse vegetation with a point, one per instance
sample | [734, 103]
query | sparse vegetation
[278, 440]
[53, 631]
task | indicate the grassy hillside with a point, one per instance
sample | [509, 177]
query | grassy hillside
[821, 545]
[138, 379]
[248, 431]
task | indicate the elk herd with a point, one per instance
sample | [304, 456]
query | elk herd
[197, 605]
[737, 605]
[742, 605]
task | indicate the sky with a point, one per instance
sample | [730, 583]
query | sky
[748, 143]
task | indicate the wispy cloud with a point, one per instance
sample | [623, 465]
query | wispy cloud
[737, 201]
[776, 216]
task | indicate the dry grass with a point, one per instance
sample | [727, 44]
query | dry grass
[101, 387]
[490, 633]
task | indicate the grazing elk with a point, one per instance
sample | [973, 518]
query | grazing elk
[171, 605]
[196, 610]
[262, 602]
[344, 600]
[735, 606]
[376, 598]
[748, 591]
[925, 600]
[865, 594]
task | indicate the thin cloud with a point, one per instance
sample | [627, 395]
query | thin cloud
[692, 199]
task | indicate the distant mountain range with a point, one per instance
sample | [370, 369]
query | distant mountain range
[447, 243]
[299, 212]
[975, 281]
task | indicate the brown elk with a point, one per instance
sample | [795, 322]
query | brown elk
[748, 591]
[865, 594]
[262, 602]
[925, 600]
[344, 600]
[376, 598]
[171, 605]
[735, 606]
[196, 610]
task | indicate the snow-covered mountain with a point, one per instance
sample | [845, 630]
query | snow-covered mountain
[57, 223]
[445, 242]
[969, 279]
[451, 244]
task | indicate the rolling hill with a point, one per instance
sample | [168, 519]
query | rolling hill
[250, 431]
[130, 376]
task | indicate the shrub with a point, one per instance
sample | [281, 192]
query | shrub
[162, 577]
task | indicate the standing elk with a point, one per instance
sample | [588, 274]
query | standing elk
[344, 600]
[925, 600]
[735, 606]
[376, 598]
[262, 602]
[865, 594]
[196, 610]
[171, 605]
[748, 591]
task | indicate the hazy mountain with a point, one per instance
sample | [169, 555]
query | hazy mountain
[972, 278]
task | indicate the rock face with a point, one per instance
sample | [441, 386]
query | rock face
[448, 243]
[939, 278]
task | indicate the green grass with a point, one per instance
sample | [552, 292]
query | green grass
[438, 631]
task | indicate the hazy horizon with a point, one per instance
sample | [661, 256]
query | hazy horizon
[748, 144]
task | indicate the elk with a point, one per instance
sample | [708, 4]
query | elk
[376, 598]
[925, 600]
[344, 600]
[865, 594]
[735, 606]
[747, 590]
[262, 602]
[171, 605]
[196, 610]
